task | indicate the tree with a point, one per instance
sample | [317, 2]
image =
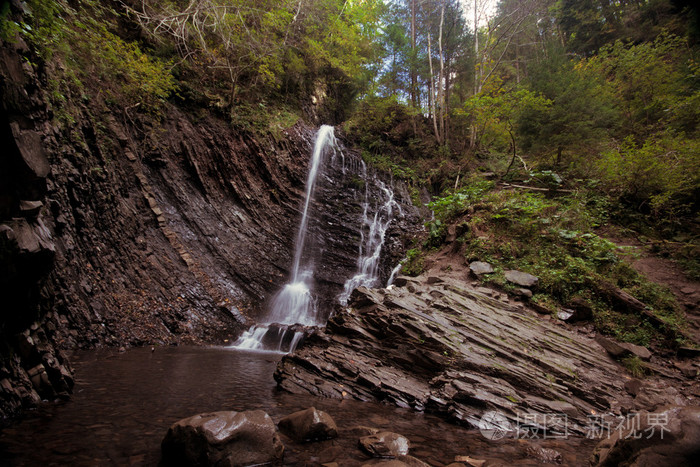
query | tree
[582, 114]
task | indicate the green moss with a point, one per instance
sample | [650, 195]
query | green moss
[414, 263]
[635, 366]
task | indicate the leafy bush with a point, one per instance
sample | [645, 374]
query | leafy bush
[659, 176]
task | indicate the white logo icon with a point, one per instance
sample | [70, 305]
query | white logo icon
[494, 425]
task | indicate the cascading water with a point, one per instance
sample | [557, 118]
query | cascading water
[372, 234]
[294, 304]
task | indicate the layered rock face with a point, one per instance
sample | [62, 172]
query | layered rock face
[438, 345]
[124, 230]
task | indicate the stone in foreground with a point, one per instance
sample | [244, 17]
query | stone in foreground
[223, 439]
[385, 444]
[309, 425]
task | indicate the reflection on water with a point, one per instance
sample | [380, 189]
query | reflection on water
[124, 403]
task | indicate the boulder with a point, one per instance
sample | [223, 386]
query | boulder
[309, 425]
[385, 444]
[670, 436]
[522, 279]
[622, 349]
[479, 267]
[224, 438]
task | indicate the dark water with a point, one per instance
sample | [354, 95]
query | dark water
[124, 403]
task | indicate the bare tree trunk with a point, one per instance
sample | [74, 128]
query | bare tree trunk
[477, 79]
[414, 77]
[441, 93]
[431, 91]
[413, 54]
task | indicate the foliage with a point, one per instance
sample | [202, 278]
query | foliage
[656, 84]
[88, 59]
[661, 177]
[449, 207]
[635, 366]
[580, 117]
[290, 49]
[495, 110]
[552, 238]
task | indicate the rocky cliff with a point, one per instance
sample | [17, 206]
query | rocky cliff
[124, 230]
[438, 344]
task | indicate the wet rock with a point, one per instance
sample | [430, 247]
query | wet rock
[670, 436]
[223, 439]
[522, 279]
[309, 425]
[479, 268]
[385, 444]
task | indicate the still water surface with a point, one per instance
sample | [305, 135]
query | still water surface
[125, 402]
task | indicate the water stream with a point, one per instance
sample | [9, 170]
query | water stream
[125, 402]
[372, 232]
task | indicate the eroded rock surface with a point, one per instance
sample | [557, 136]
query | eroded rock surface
[450, 350]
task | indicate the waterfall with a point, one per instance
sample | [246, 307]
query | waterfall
[293, 308]
[372, 234]
[395, 272]
[294, 304]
